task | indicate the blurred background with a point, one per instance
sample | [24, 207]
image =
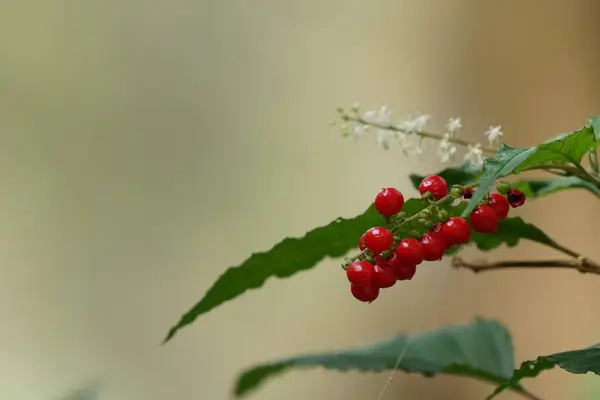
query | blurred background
[145, 146]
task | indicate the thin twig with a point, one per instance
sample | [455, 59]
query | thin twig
[582, 265]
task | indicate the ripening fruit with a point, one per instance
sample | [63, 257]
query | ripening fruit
[434, 184]
[378, 239]
[484, 219]
[389, 201]
[456, 231]
[404, 272]
[384, 276]
[516, 198]
[410, 251]
[434, 246]
[499, 204]
[361, 242]
[365, 294]
[360, 273]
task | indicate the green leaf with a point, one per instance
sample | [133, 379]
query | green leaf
[482, 350]
[462, 175]
[566, 148]
[575, 362]
[533, 188]
[595, 124]
[286, 258]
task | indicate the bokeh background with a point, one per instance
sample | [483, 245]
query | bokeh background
[147, 145]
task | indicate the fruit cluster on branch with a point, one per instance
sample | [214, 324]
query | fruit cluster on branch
[386, 257]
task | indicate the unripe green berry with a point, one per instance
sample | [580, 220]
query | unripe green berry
[456, 192]
[415, 234]
[429, 224]
[369, 258]
[503, 188]
[443, 215]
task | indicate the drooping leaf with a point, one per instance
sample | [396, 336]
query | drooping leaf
[566, 148]
[533, 188]
[286, 258]
[575, 362]
[461, 175]
[482, 350]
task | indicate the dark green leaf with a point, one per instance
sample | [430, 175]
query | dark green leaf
[481, 350]
[566, 148]
[595, 124]
[540, 187]
[288, 257]
[462, 175]
[575, 362]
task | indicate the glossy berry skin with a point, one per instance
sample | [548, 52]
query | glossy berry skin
[361, 242]
[360, 273]
[434, 246]
[389, 201]
[404, 272]
[366, 294]
[456, 231]
[515, 198]
[434, 184]
[499, 204]
[384, 276]
[410, 251]
[378, 239]
[484, 219]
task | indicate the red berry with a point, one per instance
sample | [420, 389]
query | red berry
[434, 184]
[360, 273]
[365, 294]
[361, 242]
[385, 275]
[434, 246]
[516, 198]
[437, 228]
[378, 239]
[404, 272]
[499, 204]
[456, 231]
[389, 201]
[484, 219]
[410, 251]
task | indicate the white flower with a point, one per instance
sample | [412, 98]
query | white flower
[493, 133]
[381, 116]
[453, 126]
[446, 149]
[384, 137]
[356, 130]
[415, 124]
[474, 155]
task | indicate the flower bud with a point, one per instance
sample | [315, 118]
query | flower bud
[503, 188]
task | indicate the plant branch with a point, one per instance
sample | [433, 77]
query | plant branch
[429, 135]
[582, 265]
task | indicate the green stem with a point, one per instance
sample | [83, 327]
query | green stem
[410, 219]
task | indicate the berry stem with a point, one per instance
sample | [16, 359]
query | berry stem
[408, 221]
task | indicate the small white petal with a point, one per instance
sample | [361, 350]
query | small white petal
[453, 126]
[493, 133]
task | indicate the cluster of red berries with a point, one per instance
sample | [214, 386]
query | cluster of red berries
[386, 258]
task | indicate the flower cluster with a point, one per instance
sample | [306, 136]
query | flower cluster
[410, 134]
